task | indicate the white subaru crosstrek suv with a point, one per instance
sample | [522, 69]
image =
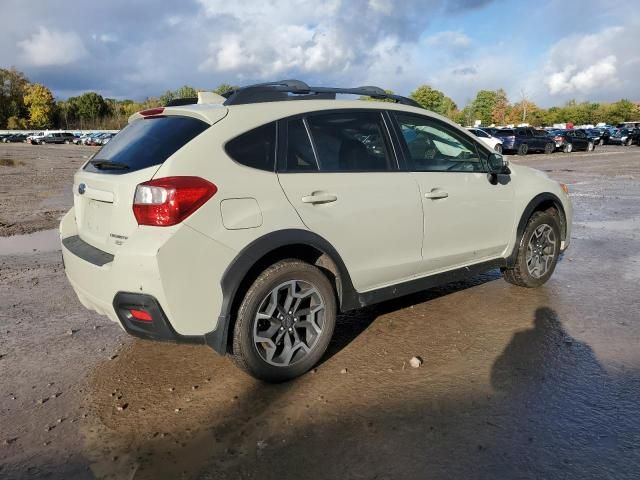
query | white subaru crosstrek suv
[249, 222]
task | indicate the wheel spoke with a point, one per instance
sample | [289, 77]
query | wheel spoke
[283, 338]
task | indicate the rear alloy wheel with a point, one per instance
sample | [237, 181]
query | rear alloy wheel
[590, 147]
[537, 253]
[285, 321]
[523, 149]
[498, 148]
[549, 148]
[568, 148]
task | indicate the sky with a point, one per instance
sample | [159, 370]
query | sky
[548, 51]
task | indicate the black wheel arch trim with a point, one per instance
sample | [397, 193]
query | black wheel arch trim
[531, 207]
[258, 249]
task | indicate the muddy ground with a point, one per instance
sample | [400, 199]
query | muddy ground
[515, 383]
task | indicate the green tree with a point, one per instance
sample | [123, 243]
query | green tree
[90, 107]
[500, 107]
[12, 90]
[434, 100]
[483, 106]
[16, 123]
[183, 92]
[371, 99]
[39, 102]
[224, 88]
[621, 111]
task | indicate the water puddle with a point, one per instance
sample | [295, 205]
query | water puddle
[44, 241]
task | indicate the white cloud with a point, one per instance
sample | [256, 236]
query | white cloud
[45, 48]
[330, 37]
[449, 39]
[597, 65]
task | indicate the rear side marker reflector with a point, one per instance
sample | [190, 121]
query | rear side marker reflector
[141, 315]
[163, 202]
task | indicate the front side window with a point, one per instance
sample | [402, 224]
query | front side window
[432, 146]
[351, 141]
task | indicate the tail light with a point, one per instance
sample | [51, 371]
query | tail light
[168, 201]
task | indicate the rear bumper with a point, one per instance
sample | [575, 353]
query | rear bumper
[173, 271]
[158, 328]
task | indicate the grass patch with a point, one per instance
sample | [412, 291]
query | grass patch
[10, 162]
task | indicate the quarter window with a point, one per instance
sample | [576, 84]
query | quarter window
[256, 148]
[431, 146]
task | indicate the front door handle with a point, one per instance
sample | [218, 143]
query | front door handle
[319, 198]
[435, 194]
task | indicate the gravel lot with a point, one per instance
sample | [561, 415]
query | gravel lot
[515, 383]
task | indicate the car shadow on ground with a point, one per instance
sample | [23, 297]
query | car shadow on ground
[350, 325]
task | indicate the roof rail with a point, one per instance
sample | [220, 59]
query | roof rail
[283, 90]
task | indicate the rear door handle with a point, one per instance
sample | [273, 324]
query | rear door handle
[319, 198]
[435, 193]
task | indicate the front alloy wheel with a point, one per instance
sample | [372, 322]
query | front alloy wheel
[538, 251]
[541, 251]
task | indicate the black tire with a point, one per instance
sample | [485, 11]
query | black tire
[520, 274]
[549, 148]
[628, 142]
[245, 352]
[567, 148]
[590, 147]
[523, 149]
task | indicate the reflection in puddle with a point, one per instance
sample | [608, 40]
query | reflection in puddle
[44, 241]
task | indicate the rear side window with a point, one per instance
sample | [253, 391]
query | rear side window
[300, 157]
[145, 143]
[351, 141]
[256, 148]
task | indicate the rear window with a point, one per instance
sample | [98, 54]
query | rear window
[145, 143]
[504, 133]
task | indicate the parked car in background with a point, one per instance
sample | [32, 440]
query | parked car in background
[624, 136]
[105, 139]
[595, 134]
[489, 140]
[570, 140]
[56, 138]
[35, 136]
[15, 138]
[96, 139]
[607, 133]
[523, 140]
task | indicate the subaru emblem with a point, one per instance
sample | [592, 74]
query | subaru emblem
[81, 188]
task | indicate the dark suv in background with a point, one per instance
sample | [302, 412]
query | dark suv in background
[59, 137]
[522, 140]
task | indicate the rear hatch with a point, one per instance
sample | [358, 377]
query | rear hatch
[104, 188]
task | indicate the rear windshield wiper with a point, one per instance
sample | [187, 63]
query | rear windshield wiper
[109, 165]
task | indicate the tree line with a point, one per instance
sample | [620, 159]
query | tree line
[24, 104]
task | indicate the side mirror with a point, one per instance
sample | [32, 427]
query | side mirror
[498, 165]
